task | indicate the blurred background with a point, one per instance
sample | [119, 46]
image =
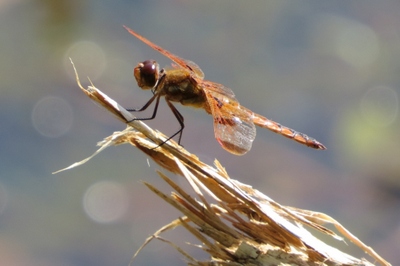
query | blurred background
[329, 69]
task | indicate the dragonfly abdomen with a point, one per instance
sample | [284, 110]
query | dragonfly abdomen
[287, 132]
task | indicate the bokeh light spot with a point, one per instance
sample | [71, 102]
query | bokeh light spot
[52, 116]
[379, 106]
[88, 57]
[357, 44]
[106, 202]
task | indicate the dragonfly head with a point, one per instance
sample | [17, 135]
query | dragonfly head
[147, 74]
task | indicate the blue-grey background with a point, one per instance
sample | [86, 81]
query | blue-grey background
[326, 68]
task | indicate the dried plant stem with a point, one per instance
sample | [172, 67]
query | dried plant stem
[241, 226]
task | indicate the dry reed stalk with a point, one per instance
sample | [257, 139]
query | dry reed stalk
[242, 226]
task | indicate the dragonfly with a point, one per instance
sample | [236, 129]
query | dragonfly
[234, 125]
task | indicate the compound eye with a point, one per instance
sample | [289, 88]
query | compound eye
[146, 74]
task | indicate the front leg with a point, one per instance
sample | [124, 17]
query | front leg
[155, 97]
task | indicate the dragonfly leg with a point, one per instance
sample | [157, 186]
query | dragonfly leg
[175, 111]
[155, 97]
[180, 119]
[144, 106]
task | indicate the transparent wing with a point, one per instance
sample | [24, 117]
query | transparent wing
[191, 66]
[233, 126]
[187, 64]
[219, 89]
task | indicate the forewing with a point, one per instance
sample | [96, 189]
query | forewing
[233, 126]
[191, 66]
[217, 89]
